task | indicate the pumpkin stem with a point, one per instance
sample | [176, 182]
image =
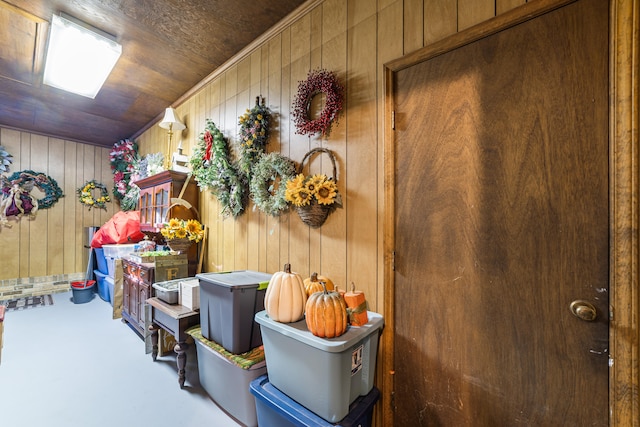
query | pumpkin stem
[353, 287]
[324, 287]
[287, 268]
[314, 277]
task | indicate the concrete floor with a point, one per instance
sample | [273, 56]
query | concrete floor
[73, 365]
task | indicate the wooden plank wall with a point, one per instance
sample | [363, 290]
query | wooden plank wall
[52, 242]
[353, 39]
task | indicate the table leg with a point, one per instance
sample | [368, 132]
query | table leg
[154, 340]
[181, 360]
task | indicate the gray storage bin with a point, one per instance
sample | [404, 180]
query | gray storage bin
[168, 291]
[227, 384]
[323, 375]
[228, 304]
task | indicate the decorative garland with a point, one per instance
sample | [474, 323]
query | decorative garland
[16, 199]
[5, 159]
[267, 198]
[213, 169]
[254, 133]
[318, 82]
[85, 195]
[122, 157]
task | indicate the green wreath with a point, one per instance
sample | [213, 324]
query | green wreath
[27, 179]
[85, 194]
[213, 169]
[254, 133]
[268, 197]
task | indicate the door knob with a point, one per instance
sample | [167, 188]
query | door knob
[583, 310]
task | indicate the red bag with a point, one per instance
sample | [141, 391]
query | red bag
[123, 227]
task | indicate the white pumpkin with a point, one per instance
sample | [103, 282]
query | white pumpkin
[285, 298]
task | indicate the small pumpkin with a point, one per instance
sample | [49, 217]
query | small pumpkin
[356, 306]
[285, 297]
[326, 314]
[313, 284]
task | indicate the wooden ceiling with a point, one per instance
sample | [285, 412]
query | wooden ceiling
[169, 46]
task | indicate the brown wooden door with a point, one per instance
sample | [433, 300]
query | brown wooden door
[501, 221]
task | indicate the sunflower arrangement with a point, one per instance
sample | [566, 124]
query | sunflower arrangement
[302, 190]
[183, 229]
[314, 196]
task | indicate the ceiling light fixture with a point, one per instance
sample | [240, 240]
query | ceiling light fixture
[79, 57]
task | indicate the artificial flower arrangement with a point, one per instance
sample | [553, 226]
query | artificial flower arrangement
[190, 229]
[123, 157]
[304, 189]
[314, 196]
[5, 159]
[254, 133]
[85, 195]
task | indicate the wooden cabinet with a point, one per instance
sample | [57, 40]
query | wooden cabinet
[156, 194]
[137, 280]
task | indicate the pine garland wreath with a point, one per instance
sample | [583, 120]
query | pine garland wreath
[267, 192]
[319, 81]
[213, 169]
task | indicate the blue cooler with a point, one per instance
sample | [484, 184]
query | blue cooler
[276, 409]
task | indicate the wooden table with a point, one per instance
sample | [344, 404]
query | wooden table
[175, 319]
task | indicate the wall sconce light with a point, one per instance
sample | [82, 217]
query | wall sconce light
[171, 123]
[79, 56]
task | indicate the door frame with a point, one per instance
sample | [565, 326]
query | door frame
[624, 196]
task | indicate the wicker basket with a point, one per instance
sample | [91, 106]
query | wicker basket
[180, 245]
[314, 214]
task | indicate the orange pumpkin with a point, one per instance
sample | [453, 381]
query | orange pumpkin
[285, 297]
[326, 314]
[313, 284]
[356, 306]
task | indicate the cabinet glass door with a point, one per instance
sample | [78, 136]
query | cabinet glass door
[145, 207]
[161, 205]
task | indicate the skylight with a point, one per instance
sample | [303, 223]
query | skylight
[79, 59]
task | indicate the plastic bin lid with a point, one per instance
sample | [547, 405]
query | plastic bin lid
[236, 279]
[284, 405]
[99, 274]
[298, 330]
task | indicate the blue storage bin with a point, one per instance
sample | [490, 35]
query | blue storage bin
[102, 260]
[109, 285]
[276, 409]
[103, 288]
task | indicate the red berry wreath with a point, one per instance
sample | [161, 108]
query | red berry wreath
[318, 81]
